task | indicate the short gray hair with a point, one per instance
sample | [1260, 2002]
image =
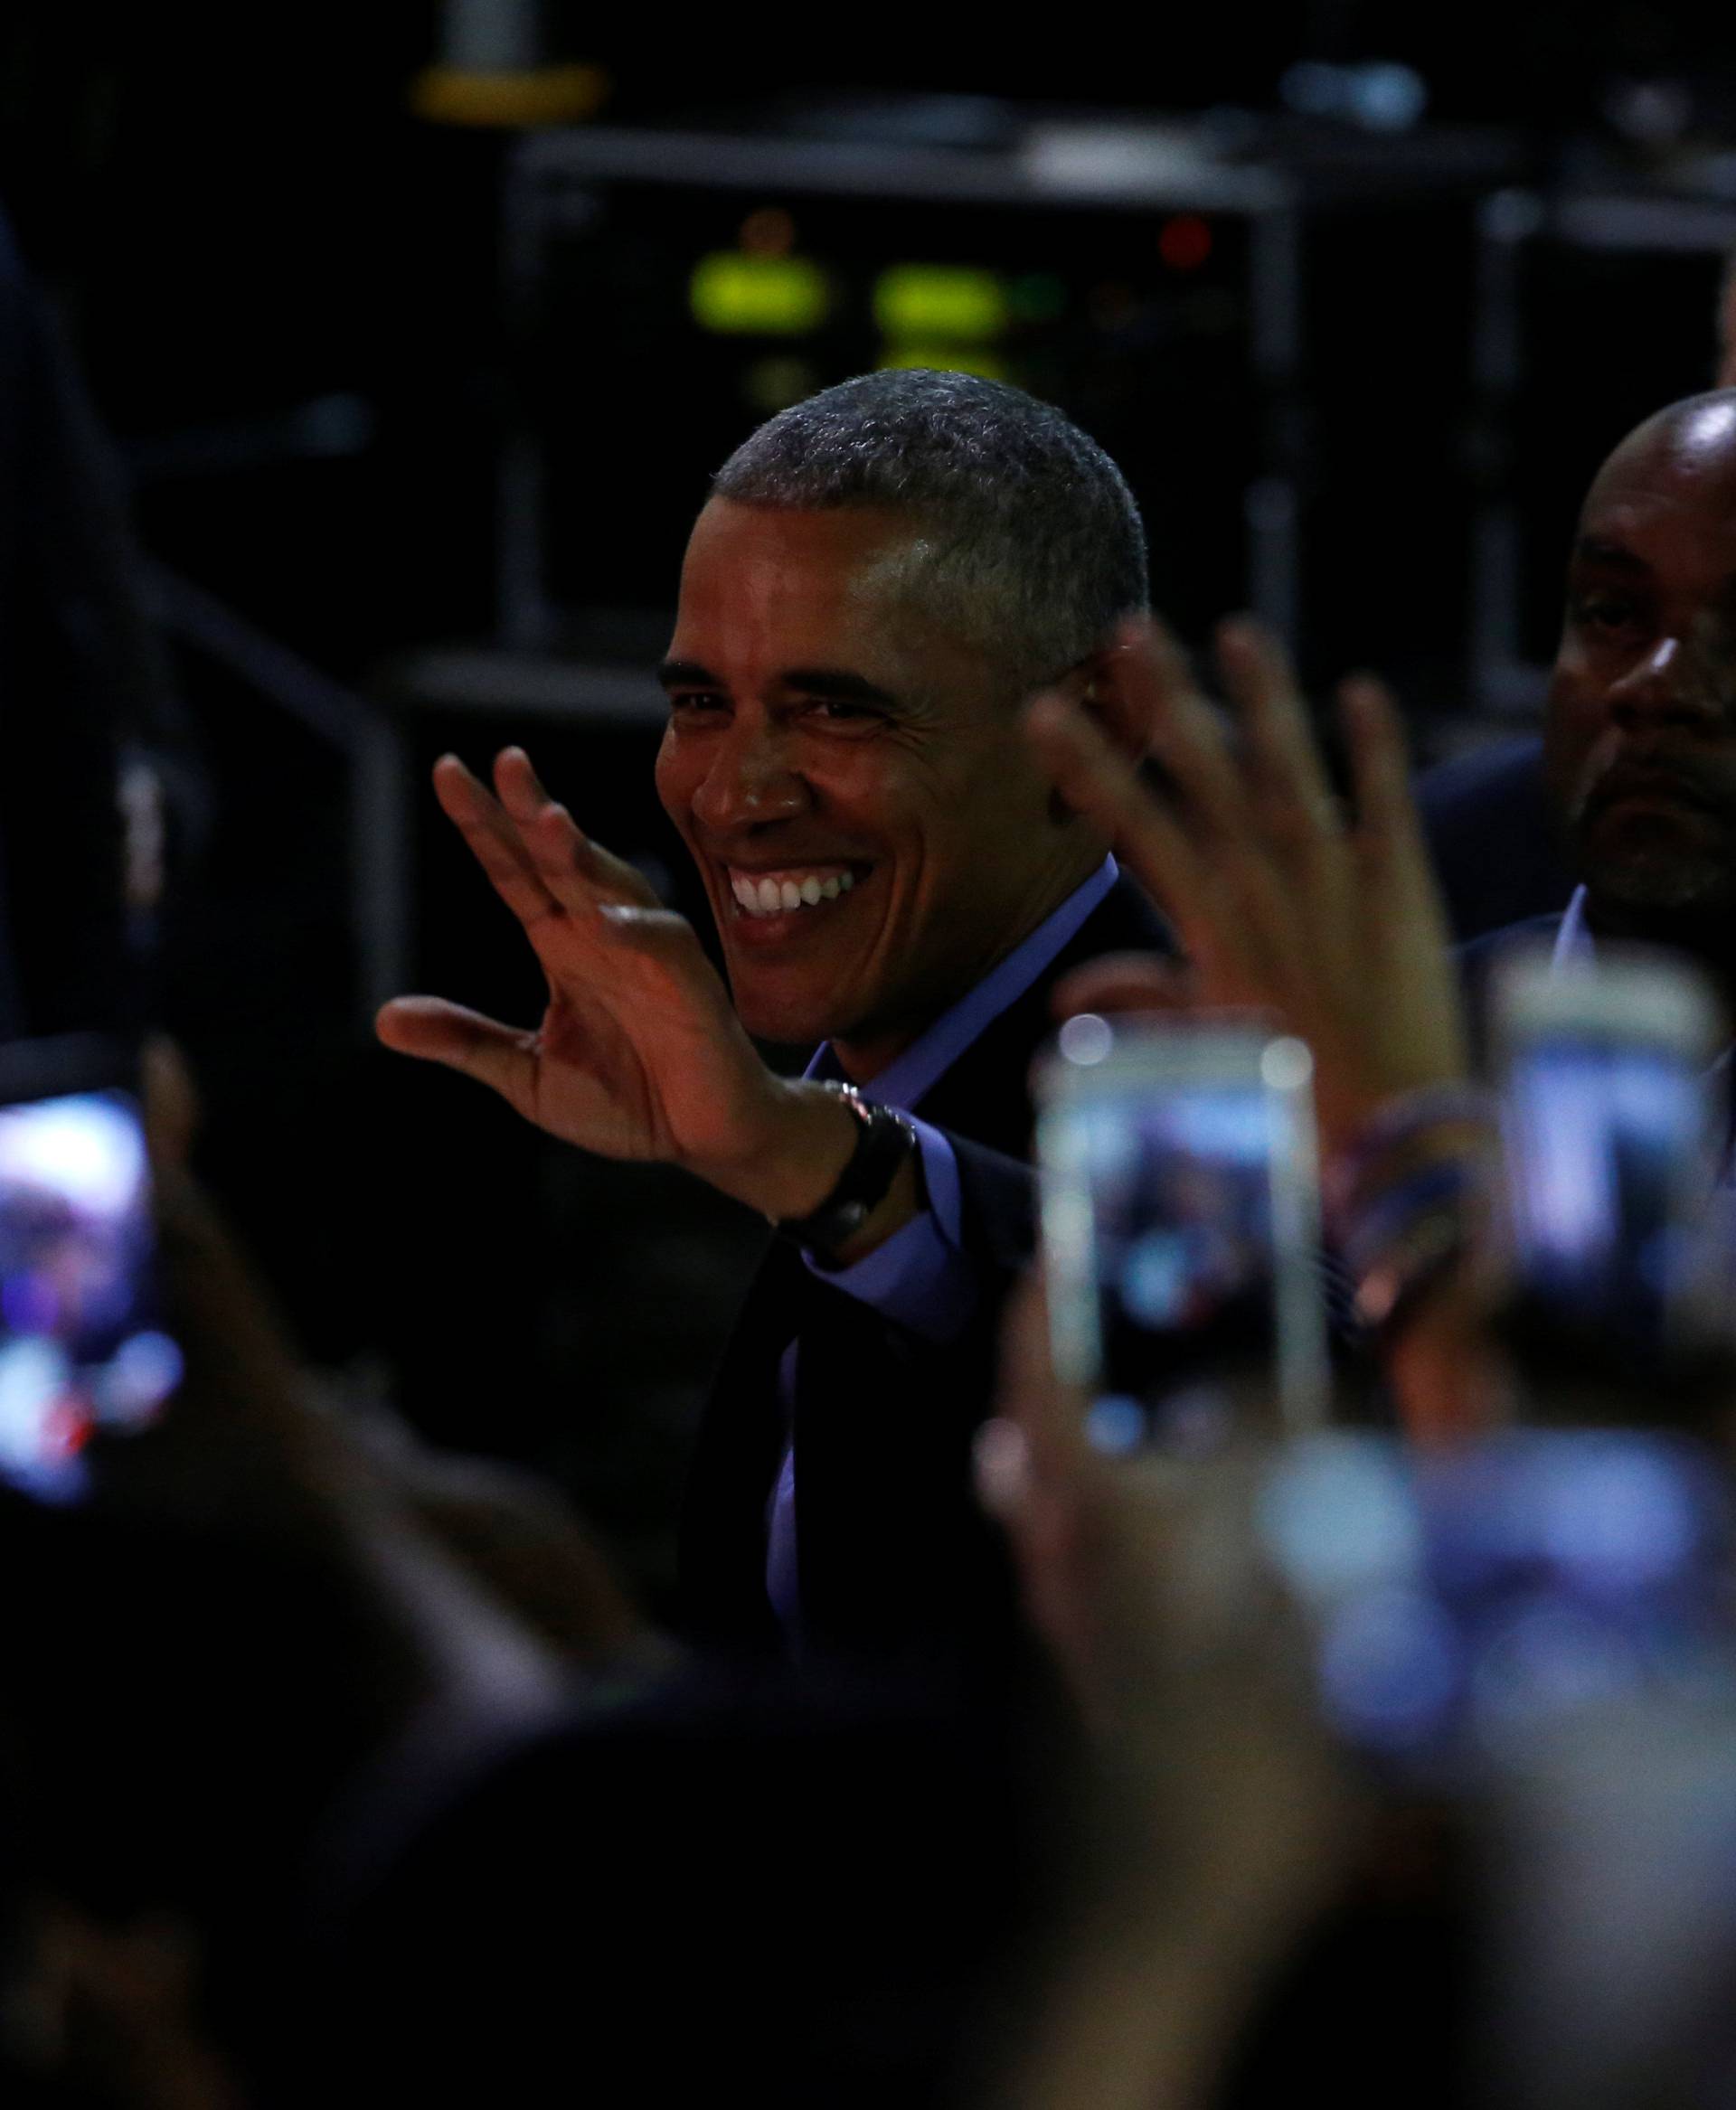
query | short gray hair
[1035, 547]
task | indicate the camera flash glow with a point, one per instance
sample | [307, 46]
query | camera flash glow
[1287, 1065]
[1086, 1039]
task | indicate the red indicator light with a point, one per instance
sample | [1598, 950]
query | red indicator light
[66, 1428]
[1184, 242]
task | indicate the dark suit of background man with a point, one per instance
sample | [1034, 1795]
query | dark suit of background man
[879, 578]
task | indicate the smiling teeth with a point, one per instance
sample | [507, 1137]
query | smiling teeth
[776, 897]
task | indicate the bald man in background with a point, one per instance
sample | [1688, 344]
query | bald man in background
[1639, 740]
[1489, 815]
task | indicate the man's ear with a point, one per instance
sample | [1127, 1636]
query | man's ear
[1121, 708]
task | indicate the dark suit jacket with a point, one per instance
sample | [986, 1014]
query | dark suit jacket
[1496, 851]
[896, 1561]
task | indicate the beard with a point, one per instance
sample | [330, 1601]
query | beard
[1656, 839]
[1661, 879]
[1667, 891]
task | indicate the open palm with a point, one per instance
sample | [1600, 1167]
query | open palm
[639, 1054]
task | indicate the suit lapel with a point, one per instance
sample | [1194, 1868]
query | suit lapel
[736, 1459]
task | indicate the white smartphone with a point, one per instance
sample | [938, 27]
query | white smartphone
[1614, 1119]
[1180, 1230]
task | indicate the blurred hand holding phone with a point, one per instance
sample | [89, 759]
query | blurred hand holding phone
[82, 1344]
[1455, 1596]
[1535, 1632]
[1617, 1249]
[1466, 1599]
[1463, 1602]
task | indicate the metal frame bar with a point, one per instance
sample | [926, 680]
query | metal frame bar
[371, 739]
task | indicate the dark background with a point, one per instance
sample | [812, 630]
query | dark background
[283, 287]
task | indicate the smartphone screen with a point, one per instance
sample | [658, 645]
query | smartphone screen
[1609, 1122]
[1181, 1231]
[1460, 1603]
[82, 1347]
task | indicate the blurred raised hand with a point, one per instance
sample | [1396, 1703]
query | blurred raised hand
[1281, 902]
[1327, 923]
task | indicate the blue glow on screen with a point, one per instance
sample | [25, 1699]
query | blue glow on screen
[80, 1345]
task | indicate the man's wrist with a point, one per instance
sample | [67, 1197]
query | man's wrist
[799, 1151]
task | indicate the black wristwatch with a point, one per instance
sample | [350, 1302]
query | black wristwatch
[884, 1139]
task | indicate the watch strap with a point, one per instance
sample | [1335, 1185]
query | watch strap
[884, 1139]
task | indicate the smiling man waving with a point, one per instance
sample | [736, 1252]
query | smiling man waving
[882, 576]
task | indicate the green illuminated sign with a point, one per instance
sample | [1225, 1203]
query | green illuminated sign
[737, 294]
[940, 301]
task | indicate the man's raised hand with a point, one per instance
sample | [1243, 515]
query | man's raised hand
[639, 1054]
